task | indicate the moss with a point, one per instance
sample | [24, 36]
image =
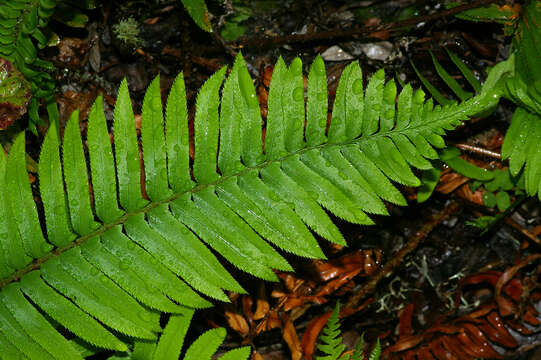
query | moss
[127, 31]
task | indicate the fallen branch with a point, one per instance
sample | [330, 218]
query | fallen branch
[263, 42]
[413, 243]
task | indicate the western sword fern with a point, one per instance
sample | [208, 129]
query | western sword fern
[108, 261]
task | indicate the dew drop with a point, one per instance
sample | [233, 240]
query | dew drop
[103, 279]
[94, 271]
[342, 175]
[357, 86]
[131, 245]
[313, 195]
[356, 114]
[153, 260]
[298, 94]
[123, 265]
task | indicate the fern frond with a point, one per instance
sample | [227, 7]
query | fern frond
[331, 342]
[493, 84]
[520, 143]
[113, 258]
[331, 339]
[453, 85]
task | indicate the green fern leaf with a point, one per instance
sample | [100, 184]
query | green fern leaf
[199, 13]
[172, 338]
[109, 261]
[331, 338]
[331, 342]
[524, 88]
[206, 345]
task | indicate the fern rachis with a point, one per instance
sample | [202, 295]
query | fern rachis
[120, 260]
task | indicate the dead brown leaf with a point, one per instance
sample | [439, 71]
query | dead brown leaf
[291, 338]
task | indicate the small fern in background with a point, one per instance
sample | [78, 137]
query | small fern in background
[331, 342]
[521, 143]
[20, 23]
[522, 85]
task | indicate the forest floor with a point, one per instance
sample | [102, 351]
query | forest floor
[419, 278]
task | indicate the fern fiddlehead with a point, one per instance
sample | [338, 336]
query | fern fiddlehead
[109, 263]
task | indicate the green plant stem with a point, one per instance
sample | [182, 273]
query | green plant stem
[518, 201]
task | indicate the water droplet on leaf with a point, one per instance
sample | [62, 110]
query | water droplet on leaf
[357, 86]
[313, 195]
[298, 94]
[94, 271]
[123, 265]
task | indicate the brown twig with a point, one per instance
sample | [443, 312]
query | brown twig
[524, 231]
[397, 258]
[262, 42]
[479, 150]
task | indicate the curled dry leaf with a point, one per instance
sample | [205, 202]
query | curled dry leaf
[262, 304]
[450, 181]
[289, 334]
[311, 334]
[256, 356]
[236, 321]
[485, 332]
[405, 320]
